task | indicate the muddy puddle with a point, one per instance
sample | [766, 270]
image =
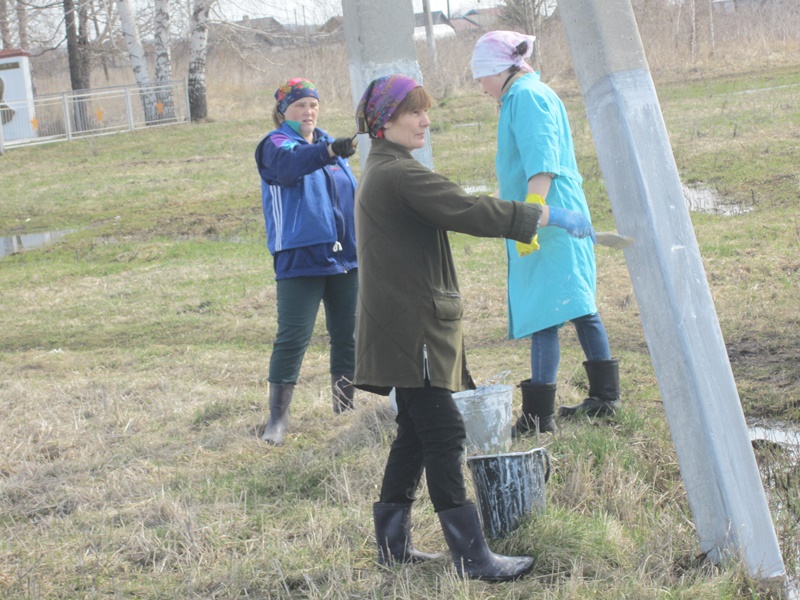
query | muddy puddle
[778, 436]
[777, 450]
[706, 200]
[14, 244]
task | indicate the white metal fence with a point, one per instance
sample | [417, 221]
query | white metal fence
[71, 115]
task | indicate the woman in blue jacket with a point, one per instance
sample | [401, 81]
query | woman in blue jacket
[307, 192]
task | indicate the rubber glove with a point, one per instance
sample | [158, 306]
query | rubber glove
[573, 222]
[525, 249]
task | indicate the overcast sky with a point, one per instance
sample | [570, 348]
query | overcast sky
[319, 11]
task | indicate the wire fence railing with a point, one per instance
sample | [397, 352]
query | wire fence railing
[85, 113]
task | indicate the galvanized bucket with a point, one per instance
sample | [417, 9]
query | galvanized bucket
[487, 415]
[509, 487]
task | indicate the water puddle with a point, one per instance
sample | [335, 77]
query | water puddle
[706, 200]
[779, 437]
[777, 450]
[14, 244]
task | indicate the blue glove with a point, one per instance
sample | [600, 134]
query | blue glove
[573, 222]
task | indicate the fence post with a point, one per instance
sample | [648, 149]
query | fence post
[129, 108]
[2, 141]
[188, 106]
[67, 122]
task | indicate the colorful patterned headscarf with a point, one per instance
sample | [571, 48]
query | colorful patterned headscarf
[496, 51]
[380, 101]
[292, 91]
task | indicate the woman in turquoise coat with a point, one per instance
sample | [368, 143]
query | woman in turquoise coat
[551, 281]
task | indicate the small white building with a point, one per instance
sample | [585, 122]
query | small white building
[441, 26]
[17, 113]
[440, 32]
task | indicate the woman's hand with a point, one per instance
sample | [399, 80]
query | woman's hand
[573, 222]
[344, 146]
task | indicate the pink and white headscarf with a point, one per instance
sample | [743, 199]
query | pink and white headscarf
[496, 51]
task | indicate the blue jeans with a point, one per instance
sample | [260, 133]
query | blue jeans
[298, 304]
[546, 352]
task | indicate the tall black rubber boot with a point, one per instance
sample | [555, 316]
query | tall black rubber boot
[342, 392]
[280, 397]
[393, 535]
[603, 390]
[470, 552]
[538, 406]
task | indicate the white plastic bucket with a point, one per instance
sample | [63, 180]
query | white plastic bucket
[509, 487]
[487, 417]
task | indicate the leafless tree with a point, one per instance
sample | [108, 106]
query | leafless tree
[22, 25]
[198, 47]
[5, 28]
[141, 70]
[163, 64]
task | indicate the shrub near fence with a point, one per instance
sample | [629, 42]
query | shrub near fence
[64, 117]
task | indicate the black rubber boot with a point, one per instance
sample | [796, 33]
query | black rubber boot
[603, 390]
[538, 406]
[470, 552]
[342, 391]
[393, 535]
[280, 397]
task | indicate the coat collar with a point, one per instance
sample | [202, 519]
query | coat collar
[285, 129]
[387, 148]
[512, 80]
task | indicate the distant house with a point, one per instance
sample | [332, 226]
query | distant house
[465, 25]
[731, 6]
[486, 18]
[437, 17]
[333, 25]
[441, 26]
[260, 31]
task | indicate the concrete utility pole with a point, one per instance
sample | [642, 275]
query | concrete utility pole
[380, 41]
[702, 404]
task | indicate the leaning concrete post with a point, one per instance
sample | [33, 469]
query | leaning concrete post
[702, 404]
[380, 41]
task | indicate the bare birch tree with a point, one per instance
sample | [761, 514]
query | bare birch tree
[163, 64]
[198, 48]
[141, 70]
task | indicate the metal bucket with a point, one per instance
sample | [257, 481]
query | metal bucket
[509, 487]
[487, 416]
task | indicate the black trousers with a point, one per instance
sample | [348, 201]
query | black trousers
[430, 436]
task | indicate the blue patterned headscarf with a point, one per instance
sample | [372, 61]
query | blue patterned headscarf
[292, 91]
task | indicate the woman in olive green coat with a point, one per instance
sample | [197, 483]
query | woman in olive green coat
[408, 321]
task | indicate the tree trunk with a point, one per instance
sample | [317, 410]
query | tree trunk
[141, 71]
[166, 102]
[78, 67]
[711, 27]
[693, 40]
[198, 46]
[22, 25]
[5, 28]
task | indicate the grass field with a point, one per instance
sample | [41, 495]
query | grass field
[134, 356]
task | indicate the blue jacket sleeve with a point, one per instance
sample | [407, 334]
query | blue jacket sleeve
[284, 161]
